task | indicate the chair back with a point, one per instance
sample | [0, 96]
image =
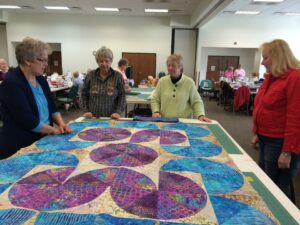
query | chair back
[206, 84]
[241, 97]
[227, 90]
[73, 92]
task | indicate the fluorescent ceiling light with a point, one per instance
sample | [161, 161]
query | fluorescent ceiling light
[57, 7]
[9, 7]
[157, 10]
[108, 9]
[292, 14]
[247, 12]
[268, 0]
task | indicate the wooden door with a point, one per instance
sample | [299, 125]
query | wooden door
[142, 65]
[54, 63]
[232, 61]
[213, 68]
[216, 65]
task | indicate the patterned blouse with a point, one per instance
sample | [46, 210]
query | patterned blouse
[103, 97]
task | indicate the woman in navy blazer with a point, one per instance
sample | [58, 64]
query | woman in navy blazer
[27, 108]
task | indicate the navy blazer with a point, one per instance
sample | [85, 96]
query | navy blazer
[20, 112]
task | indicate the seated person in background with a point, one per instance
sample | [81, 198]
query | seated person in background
[27, 108]
[10, 69]
[103, 92]
[176, 94]
[77, 80]
[161, 74]
[3, 69]
[121, 68]
[261, 80]
[67, 79]
[151, 82]
[239, 73]
[254, 76]
[229, 73]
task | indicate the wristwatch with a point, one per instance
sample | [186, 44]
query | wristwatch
[286, 154]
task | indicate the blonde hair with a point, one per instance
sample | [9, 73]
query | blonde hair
[30, 49]
[282, 57]
[104, 52]
[175, 58]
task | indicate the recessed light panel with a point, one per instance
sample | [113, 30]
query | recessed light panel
[57, 7]
[9, 7]
[108, 9]
[247, 12]
[157, 10]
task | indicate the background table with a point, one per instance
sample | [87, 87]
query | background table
[55, 89]
[138, 96]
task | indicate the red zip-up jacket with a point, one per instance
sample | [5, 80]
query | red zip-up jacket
[276, 111]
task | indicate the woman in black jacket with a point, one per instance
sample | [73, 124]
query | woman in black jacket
[27, 108]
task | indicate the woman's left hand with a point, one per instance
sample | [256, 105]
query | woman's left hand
[65, 129]
[204, 119]
[284, 161]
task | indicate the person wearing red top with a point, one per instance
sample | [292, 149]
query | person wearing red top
[276, 115]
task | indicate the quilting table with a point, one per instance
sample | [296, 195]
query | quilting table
[138, 96]
[136, 172]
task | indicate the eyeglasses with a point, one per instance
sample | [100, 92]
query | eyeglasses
[42, 60]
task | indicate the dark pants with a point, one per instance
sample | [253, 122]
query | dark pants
[270, 150]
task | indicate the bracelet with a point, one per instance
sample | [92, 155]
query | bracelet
[286, 154]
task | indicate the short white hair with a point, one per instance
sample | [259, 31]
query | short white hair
[104, 52]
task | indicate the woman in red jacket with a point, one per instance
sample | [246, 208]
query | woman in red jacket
[276, 115]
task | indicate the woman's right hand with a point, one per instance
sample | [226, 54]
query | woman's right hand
[88, 115]
[254, 141]
[55, 131]
[49, 130]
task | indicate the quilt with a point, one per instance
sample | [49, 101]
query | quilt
[131, 172]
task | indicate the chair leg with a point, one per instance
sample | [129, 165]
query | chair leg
[67, 106]
[75, 105]
[248, 108]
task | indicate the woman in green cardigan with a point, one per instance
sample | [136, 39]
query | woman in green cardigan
[176, 94]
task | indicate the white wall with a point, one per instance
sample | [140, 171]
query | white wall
[257, 67]
[246, 55]
[55, 47]
[185, 44]
[3, 43]
[80, 35]
[247, 32]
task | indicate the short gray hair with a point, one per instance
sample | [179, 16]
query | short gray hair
[104, 52]
[176, 58]
[29, 49]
